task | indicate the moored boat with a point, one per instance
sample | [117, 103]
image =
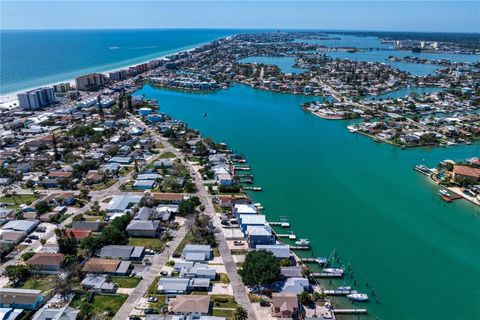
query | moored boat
[358, 297]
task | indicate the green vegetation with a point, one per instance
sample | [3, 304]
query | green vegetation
[149, 243]
[114, 233]
[189, 238]
[42, 207]
[125, 282]
[15, 200]
[40, 282]
[167, 155]
[27, 255]
[259, 268]
[153, 287]
[107, 305]
[223, 301]
[17, 274]
[240, 314]
[229, 314]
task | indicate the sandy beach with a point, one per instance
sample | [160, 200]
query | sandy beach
[10, 100]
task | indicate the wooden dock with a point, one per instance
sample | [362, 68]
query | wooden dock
[327, 275]
[299, 247]
[283, 224]
[241, 168]
[320, 261]
[350, 311]
[338, 292]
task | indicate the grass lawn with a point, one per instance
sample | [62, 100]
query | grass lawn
[166, 155]
[107, 304]
[160, 303]
[40, 282]
[92, 218]
[78, 300]
[222, 278]
[223, 313]
[153, 287]
[216, 252]
[188, 239]
[223, 301]
[103, 185]
[125, 282]
[126, 170]
[149, 243]
[14, 201]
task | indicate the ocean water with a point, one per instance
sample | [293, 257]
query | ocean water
[343, 191]
[34, 58]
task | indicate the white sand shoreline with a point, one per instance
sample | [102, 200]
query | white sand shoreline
[7, 100]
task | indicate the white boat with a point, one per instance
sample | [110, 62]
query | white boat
[285, 225]
[333, 270]
[358, 297]
[302, 242]
[344, 288]
[351, 129]
[292, 236]
[444, 192]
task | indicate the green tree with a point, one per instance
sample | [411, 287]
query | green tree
[259, 268]
[91, 243]
[305, 298]
[240, 313]
[100, 108]
[42, 207]
[66, 245]
[17, 273]
[27, 255]
[129, 104]
[285, 263]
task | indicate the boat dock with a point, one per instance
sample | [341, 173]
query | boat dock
[350, 311]
[282, 223]
[252, 188]
[338, 292]
[242, 168]
[290, 235]
[320, 261]
[299, 247]
[327, 275]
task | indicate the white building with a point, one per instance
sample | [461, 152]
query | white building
[36, 99]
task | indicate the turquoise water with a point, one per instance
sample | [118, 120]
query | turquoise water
[34, 58]
[284, 63]
[405, 92]
[348, 41]
[346, 192]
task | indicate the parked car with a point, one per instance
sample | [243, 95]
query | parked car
[163, 273]
[238, 242]
[33, 237]
[152, 299]
[264, 304]
[150, 311]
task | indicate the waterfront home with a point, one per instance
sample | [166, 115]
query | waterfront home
[250, 220]
[20, 298]
[466, 173]
[107, 266]
[239, 209]
[48, 263]
[285, 305]
[279, 251]
[291, 272]
[122, 252]
[296, 285]
[98, 283]
[259, 235]
[197, 252]
[143, 228]
[192, 306]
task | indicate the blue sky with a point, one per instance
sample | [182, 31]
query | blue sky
[441, 16]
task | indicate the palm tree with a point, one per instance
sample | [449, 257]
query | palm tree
[240, 314]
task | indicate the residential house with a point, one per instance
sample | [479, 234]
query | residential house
[49, 263]
[259, 235]
[98, 283]
[296, 285]
[285, 305]
[168, 197]
[52, 313]
[122, 252]
[122, 202]
[192, 306]
[197, 252]
[197, 270]
[278, 250]
[107, 266]
[20, 298]
[144, 228]
[250, 220]
[93, 226]
[240, 209]
[173, 285]
[466, 173]
[78, 234]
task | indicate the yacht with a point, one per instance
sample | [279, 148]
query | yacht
[333, 270]
[302, 242]
[444, 192]
[358, 297]
[344, 288]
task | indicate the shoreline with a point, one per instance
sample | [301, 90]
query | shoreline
[7, 100]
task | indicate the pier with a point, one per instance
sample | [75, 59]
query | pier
[350, 311]
[299, 247]
[338, 292]
[242, 168]
[320, 261]
[326, 275]
[252, 188]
